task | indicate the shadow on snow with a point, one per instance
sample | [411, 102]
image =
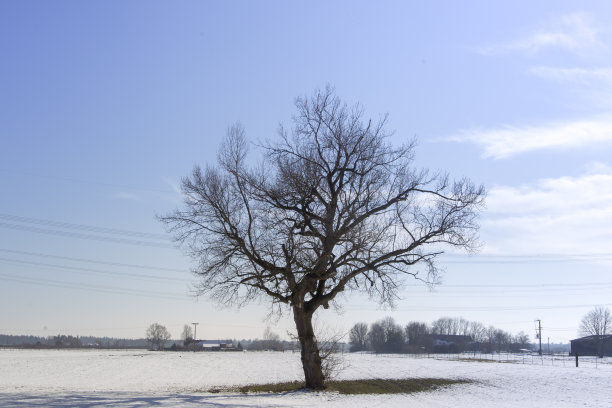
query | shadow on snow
[133, 400]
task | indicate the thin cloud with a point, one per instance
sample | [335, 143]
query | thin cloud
[577, 75]
[176, 195]
[554, 195]
[126, 196]
[558, 215]
[172, 184]
[509, 141]
[574, 32]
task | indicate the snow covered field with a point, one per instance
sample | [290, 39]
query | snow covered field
[135, 378]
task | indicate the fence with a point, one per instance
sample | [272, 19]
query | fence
[553, 359]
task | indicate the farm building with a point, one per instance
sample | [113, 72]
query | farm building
[592, 346]
[446, 343]
[215, 345]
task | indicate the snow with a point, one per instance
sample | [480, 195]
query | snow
[135, 378]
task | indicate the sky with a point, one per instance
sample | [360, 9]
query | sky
[106, 105]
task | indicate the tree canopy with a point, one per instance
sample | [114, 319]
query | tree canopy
[157, 336]
[597, 322]
[329, 206]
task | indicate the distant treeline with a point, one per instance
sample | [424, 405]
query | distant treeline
[67, 341]
[445, 335]
[268, 345]
[64, 341]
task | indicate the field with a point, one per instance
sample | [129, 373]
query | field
[124, 378]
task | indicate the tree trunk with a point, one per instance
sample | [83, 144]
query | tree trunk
[311, 360]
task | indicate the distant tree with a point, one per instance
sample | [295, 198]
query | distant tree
[443, 326]
[358, 336]
[187, 334]
[477, 332]
[271, 341]
[463, 327]
[395, 339]
[417, 333]
[376, 337]
[269, 335]
[502, 340]
[67, 341]
[597, 322]
[331, 207]
[451, 326]
[58, 341]
[489, 337]
[385, 336]
[157, 336]
[522, 340]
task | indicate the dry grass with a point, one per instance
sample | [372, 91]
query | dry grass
[477, 360]
[369, 386]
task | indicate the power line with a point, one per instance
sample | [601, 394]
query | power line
[454, 258]
[525, 289]
[522, 258]
[531, 261]
[543, 255]
[515, 294]
[533, 285]
[86, 236]
[83, 227]
[66, 258]
[89, 182]
[77, 270]
[89, 287]
[481, 308]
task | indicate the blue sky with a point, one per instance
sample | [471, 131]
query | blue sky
[104, 106]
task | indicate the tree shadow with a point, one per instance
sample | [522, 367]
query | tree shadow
[135, 400]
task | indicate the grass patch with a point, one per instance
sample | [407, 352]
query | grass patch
[391, 386]
[477, 360]
[484, 360]
[370, 386]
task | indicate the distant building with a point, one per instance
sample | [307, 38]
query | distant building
[448, 343]
[213, 345]
[592, 346]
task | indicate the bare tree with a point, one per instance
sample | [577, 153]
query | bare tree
[597, 323]
[445, 326]
[477, 331]
[157, 336]
[522, 340]
[269, 335]
[358, 336]
[377, 336]
[331, 207]
[451, 326]
[271, 341]
[385, 336]
[417, 333]
[329, 342]
[490, 338]
[463, 327]
[187, 334]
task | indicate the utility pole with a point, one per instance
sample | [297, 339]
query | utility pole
[539, 334]
[195, 331]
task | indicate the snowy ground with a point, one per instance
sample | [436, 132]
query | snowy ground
[123, 378]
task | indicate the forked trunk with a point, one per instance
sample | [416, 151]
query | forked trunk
[311, 361]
